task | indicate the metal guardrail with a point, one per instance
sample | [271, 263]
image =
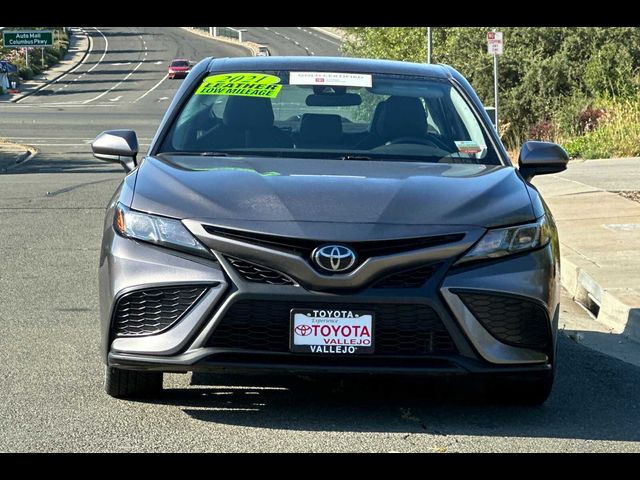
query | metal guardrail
[227, 32]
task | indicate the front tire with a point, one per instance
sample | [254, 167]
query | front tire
[131, 383]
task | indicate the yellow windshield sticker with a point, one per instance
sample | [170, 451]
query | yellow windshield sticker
[241, 84]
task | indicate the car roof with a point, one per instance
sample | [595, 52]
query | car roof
[180, 60]
[314, 63]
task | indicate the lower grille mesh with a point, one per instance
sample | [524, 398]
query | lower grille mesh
[512, 320]
[153, 310]
[398, 330]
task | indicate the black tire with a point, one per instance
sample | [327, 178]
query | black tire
[132, 384]
[525, 390]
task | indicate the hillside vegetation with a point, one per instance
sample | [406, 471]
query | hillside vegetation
[578, 86]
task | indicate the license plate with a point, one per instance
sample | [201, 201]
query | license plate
[331, 331]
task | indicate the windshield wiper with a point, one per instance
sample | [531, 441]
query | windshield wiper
[355, 157]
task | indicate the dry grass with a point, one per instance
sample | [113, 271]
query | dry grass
[618, 134]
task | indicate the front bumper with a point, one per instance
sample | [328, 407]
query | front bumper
[127, 266]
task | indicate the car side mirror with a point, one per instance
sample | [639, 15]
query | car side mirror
[541, 158]
[118, 146]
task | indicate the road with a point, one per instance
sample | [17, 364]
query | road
[51, 396]
[293, 40]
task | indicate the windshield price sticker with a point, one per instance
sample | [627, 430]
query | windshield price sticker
[468, 147]
[241, 84]
[330, 79]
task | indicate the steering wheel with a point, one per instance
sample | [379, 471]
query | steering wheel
[432, 142]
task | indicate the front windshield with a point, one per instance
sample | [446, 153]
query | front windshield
[329, 115]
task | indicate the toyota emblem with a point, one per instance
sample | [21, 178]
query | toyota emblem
[334, 258]
[303, 330]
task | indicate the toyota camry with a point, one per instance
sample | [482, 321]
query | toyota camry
[328, 215]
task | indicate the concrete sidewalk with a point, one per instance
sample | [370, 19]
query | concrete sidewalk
[600, 238]
[13, 154]
[78, 50]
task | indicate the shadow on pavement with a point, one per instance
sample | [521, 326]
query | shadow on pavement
[50, 92]
[104, 71]
[594, 397]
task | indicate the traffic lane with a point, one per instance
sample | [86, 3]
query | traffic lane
[292, 41]
[175, 42]
[126, 64]
[319, 43]
[276, 44]
[114, 57]
[63, 136]
[52, 399]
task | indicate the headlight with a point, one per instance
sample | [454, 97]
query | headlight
[167, 232]
[507, 241]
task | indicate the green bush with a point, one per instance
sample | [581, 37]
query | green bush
[617, 133]
[25, 73]
[52, 55]
[548, 76]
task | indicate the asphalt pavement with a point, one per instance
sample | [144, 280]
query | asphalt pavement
[51, 395]
[293, 40]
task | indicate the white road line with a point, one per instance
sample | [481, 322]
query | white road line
[151, 89]
[106, 48]
[74, 68]
[72, 104]
[115, 86]
[115, 99]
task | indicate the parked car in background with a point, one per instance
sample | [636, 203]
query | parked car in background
[329, 215]
[263, 52]
[179, 68]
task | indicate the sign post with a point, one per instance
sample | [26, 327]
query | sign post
[495, 47]
[28, 38]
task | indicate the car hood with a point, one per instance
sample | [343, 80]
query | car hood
[331, 198]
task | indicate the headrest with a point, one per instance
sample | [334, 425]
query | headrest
[248, 112]
[401, 117]
[317, 127]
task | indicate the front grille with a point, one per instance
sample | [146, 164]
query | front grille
[259, 274]
[512, 320]
[399, 329]
[414, 278]
[303, 247]
[153, 310]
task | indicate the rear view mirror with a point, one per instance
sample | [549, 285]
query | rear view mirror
[118, 146]
[540, 158]
[333, 100]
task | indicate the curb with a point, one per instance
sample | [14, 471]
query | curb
[53, 80]
[607, 308]
[251, 46]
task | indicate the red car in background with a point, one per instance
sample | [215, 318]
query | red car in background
[179, 68]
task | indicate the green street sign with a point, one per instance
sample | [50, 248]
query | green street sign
[28, 38]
